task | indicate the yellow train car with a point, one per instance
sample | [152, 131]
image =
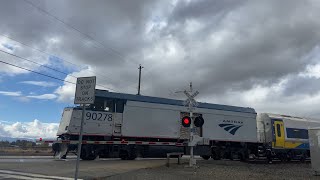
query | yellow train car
[285, 137]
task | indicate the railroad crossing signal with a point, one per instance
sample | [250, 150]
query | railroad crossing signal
[198, 121]
[186, 121]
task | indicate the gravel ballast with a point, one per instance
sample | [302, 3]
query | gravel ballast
[223, 170]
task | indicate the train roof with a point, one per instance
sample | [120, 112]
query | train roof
[281, 116]
[158, 100]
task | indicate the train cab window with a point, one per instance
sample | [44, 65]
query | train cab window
[120, 106]
[98, 105]
[109, 105]
[278, 130]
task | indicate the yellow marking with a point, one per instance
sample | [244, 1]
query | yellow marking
[279, 133]
[290, 145]
[287, 145]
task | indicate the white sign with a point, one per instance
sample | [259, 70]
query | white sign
[85, 90]
[193, 129]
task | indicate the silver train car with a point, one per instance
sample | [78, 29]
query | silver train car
[127, 126]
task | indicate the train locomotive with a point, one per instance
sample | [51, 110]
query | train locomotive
[128, 126]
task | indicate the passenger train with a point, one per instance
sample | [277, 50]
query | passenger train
[127, 126]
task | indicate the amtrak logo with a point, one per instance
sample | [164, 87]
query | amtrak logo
[231, 128]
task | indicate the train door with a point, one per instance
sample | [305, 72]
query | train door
[118, 117]
[279, 134]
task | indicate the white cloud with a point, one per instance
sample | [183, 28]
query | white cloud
[22, 99]
[40, 83]
[66, 92]
[11, 93]
[12, 47]
[44, 96]
[19, 96]
[33, 129]
[7, 45]
[312, 71]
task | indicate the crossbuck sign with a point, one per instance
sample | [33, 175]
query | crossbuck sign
[191, 98]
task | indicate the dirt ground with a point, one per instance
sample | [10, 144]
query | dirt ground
[223, 170]
[35, 151]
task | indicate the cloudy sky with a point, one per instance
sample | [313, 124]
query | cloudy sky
[260, 54]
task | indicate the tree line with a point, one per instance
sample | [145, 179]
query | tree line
[17, 143]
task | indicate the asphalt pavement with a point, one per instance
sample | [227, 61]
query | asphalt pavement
[45, 167]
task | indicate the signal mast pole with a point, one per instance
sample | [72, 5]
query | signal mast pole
[191, 162]
[140, 67]
[191, 105]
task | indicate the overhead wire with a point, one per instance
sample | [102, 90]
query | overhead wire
[49, 54]
[43, 11]
[14, 55]
[36, 72]
[44, 52]
[77, 30]
[35, 63]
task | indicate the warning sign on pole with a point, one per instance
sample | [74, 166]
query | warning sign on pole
[85, 90]
[85, 94]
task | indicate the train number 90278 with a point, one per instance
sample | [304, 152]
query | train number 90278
[98, 116]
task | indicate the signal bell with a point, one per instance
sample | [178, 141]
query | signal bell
[199, 121]
[186, 121]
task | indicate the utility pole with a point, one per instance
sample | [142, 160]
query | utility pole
[140, 67]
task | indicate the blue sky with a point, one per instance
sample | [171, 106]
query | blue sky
[22, 108]
[32, 104]
[32, 92]
[27, 92]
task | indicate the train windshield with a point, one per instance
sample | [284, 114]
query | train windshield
[108, 105]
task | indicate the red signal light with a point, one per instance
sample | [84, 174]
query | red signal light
[40, 139]
[186, 121]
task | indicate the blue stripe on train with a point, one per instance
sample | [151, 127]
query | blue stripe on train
[303, 146]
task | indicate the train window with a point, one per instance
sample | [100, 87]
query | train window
[297, 133]
[278, 130]
[109, 105]
[119, 106]
[98, 105]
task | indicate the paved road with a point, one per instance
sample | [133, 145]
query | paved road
[45, 167]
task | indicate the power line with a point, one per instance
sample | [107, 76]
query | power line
[77, 30]
[95, 42]
[36, 72]
[47, 53]
[35, 63]
[54, 56]
[44, 52]
[46, 67]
